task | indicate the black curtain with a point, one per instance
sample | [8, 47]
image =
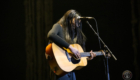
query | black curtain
[38, 21]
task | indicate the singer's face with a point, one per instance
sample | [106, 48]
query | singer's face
[75, 22]
[72, 22]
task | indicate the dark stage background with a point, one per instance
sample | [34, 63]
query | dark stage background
[115, 28]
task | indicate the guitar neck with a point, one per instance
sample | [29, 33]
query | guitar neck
[85, 54]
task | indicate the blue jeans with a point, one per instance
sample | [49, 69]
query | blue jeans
[68, 76]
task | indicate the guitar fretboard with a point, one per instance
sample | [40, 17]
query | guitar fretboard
[85, 54]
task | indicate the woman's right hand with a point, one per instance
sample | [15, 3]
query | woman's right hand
[75, 52]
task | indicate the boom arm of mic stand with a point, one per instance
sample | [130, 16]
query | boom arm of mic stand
[102, 42]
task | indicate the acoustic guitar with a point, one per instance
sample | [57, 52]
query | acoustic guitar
[61, 62]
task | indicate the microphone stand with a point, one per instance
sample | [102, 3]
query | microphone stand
[107, 51]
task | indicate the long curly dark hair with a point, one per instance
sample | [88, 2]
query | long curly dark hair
[72, 33]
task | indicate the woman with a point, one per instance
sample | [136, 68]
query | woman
[67, 31]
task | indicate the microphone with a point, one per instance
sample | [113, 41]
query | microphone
[79, 17]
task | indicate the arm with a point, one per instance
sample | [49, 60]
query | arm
[54, 36]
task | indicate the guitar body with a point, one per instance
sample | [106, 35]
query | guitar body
[61, 62]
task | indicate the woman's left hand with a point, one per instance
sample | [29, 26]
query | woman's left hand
[92, 55]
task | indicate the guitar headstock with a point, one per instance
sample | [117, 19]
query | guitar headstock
[104, 53]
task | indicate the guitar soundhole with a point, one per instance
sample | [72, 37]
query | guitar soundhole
[74, 61]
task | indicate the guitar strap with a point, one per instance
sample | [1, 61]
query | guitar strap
[67, 54]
